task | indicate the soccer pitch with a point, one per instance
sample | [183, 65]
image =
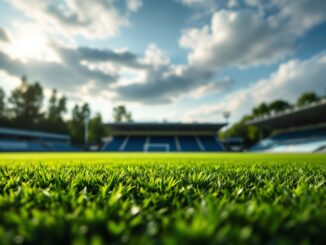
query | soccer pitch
[99, 198]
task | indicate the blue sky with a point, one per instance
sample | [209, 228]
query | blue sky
[174, 60]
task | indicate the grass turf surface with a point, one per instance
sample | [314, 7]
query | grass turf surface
[162, 198]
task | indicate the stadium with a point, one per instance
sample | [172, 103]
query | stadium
[168, 137]
[300, 129]
[125, 137]
[162, 122]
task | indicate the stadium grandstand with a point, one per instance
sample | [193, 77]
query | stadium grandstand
[33, 141]
[163, 137]
[299, 129]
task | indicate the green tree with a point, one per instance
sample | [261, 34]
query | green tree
[261, 109]
[56, 106]
[307, 98]
[2, 103]
[26, 104]
[279, 105]
[76, 125]
[96, 129]
[120, 114]
[250, 134]
[4, 121]
[54, 118]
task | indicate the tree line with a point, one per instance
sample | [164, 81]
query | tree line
[251, 134]
[24, 108]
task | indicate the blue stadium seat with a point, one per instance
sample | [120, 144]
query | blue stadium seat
[34, 141]
[303, 146]
[13, 145]
[135, 143]
[21, 145]
[301, 134]
[292, 141]
[37, 146]
[115, 144]
[188, 143]
[63, 147]
[263, 145]
[210, 143]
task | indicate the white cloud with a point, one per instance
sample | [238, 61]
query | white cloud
[211, 87]
[155, 56]
[299, 15]
[134, 5]
[289, 81]
[241, 38]
[8, 82]
[203, 8]
[77, 66]
[210, 4]
[246, 37]
[233, 3]
[129, 76]
[91, 19]
[195, 2]
[146, 79]
[253, 2]
[4, 36]
[28, 42]
[160, 82]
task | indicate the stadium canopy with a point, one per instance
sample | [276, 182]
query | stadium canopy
[310, 115]
[30, 134]
[164, 128]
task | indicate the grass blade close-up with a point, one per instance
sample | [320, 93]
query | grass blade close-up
[82, 198]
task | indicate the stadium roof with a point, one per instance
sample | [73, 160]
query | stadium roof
[312, 114]
[32, 134]
[164, 128]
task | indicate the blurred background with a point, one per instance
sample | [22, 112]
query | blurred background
[158, 75]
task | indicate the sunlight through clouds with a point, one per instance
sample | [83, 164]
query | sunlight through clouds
[110, 51]
[28, 43]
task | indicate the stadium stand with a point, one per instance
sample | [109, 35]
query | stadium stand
[158, 137]
[34, 141]
[189, 143]
[211, 143]
[301, 129]
[114, 144]
[135, 143]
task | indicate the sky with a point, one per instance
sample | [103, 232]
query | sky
[166, 60]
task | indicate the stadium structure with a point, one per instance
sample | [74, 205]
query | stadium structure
[164, 137]
[299, 129]
[33, 141]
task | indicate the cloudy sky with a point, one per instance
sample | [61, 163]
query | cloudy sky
[174, 60]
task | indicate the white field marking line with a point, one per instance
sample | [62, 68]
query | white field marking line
[157, 145]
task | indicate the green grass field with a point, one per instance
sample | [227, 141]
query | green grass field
[162, 198]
